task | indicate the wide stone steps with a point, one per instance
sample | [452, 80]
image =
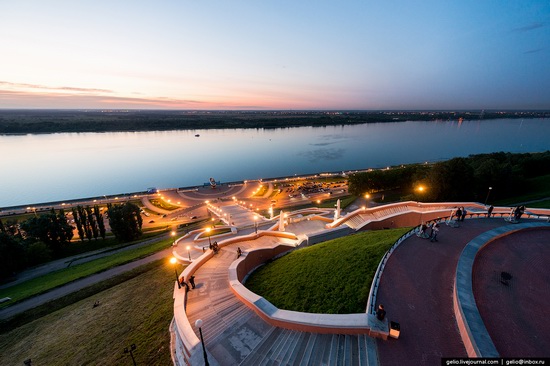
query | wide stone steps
[287, 347]
[235, 335]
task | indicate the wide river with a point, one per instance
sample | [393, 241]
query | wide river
[53, 167]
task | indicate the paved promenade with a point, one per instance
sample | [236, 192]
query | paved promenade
[416, 289]
[235, 335]
[515, 310]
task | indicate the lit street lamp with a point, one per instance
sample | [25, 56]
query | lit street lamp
[173, 260]
[173, 233]
[367, 196]
[188, 252]
[421, 189]
[198, 324]
[488, 193]
[208, 230]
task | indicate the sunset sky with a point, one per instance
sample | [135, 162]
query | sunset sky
[212, 54]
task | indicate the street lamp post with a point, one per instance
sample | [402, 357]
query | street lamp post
[173, 260]
[198, 324]
[421, 190]
[488, 193]
[256, 224]
[188, 252]
[173, 233]
[130, 351]
[208, 230]
[367, 196]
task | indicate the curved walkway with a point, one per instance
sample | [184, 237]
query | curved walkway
[235, 335]
[416, 289]
[524, 297]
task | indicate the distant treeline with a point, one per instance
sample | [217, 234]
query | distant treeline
[458, 179]
[52, 121]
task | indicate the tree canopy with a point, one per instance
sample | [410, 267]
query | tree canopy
[125, 221]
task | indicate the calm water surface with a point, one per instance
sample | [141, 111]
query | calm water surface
[52, 167]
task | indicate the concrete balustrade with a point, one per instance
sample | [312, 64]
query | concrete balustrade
[293, 320]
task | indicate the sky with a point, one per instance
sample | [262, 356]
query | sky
[210, 54]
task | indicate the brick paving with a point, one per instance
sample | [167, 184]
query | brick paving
[515, 312]
[416, 290]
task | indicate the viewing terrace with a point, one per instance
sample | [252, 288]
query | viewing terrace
[416, 281]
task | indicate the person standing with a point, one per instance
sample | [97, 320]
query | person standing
[192, 281]
[458, 214]
[435, 231]
[464, 213]
[490, 211]
[380, 312]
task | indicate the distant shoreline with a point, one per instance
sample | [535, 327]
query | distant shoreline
[21, 122]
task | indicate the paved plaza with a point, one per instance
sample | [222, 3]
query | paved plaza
[416, 289]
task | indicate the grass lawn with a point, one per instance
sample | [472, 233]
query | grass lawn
[136, 311]
[345, 201]
[536, 188]
[261, 190]
[540, 204]
[47, 282]
[332, 277]
[157, 202]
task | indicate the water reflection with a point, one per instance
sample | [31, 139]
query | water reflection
[39, 168]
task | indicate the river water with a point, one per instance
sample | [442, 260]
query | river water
[53, 167]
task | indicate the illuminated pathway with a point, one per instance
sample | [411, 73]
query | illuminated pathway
[416, 288]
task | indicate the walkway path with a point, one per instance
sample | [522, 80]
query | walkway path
[78, 285]
[235, 335]
[416, 290]
[73, 260]
[524, 298]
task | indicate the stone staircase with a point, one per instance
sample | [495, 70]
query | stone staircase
[287, 347]
[235, 335]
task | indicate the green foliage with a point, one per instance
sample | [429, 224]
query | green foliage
[100, 222]
[13, 255]
[136, 311]
[51, 229]
[76, 217]
[163, 204]
[37, 253]
[344, 202]
[381, 180]
[52, 280]
[331, 277]
[125, 221]
[459, 179]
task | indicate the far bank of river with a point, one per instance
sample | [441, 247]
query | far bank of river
[65, 166]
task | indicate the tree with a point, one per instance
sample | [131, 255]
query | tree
[13, 256]
[451, 180]
[52, 229]
[125, 221]
[100, 222]
[78, 223]
[91, 220]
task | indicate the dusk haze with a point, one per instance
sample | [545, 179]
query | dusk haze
[274, 183]
[275, 55]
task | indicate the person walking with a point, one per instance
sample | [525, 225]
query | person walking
[435, 231]
[239, 252]
[490, 211]
[192, 281]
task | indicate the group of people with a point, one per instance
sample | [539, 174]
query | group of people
[517, 212]
[432, 235]
[215, 247]
[461, 213]
[191, 281]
